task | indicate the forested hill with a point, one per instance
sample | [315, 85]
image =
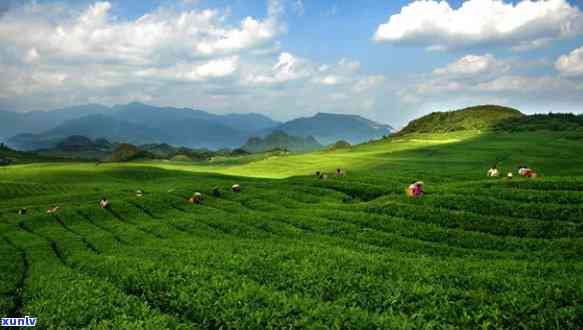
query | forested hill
[472, 118]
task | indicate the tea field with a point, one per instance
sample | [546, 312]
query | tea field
[291, 251]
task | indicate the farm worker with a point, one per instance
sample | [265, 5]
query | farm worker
[323, 176]
[236, 188]
[196, 198]
[216, 192]
[530, 173]
[318, 174]
[22, 211]
[522, 170]
[53, 209]
[339, 172]
[104, 203]
[526, 172]
[411, 190]
[493, 172]
[415, 189]
[509, 176]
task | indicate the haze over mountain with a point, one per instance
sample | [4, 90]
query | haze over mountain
[33, 122]
[139, 123]
[328, 128]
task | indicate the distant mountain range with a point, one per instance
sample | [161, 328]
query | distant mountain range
[139, 123]
[281, 140]
[12, 123]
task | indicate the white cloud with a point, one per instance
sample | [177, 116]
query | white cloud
[291, 68]
[524, 25]
[194, 72]
[343, 72]
[571, 64]
[479, 78]
[95, 35]
[460, 75]
[330, 80]
[473, 65]
[368, 83]
[287, 68]
[526, 84]
[55, 56]
[76, 54]
[31, 56]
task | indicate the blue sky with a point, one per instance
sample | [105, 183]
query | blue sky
[387, 60]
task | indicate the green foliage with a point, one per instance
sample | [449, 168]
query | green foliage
[9, 156]
[472, 118]
[127, 152]
[349, 252]
[279, 140]
[181, 158]
[340, 144]
[560, 122]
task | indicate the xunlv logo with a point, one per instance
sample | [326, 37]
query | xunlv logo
[19, 321]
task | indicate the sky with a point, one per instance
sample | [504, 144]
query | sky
[387, 60]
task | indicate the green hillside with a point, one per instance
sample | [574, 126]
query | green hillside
[279, 140]
[472, 118]
[349, 252]
[9, 156]
[128, 152]
[559, 122]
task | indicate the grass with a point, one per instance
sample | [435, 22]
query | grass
[291, 251]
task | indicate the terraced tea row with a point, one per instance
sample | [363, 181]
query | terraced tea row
[346, 252]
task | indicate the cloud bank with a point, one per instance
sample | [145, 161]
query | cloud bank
[53, 56]
[525, 25]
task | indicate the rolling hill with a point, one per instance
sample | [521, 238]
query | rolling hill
[472, 118]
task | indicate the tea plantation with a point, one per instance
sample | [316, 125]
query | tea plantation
[291, 251]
